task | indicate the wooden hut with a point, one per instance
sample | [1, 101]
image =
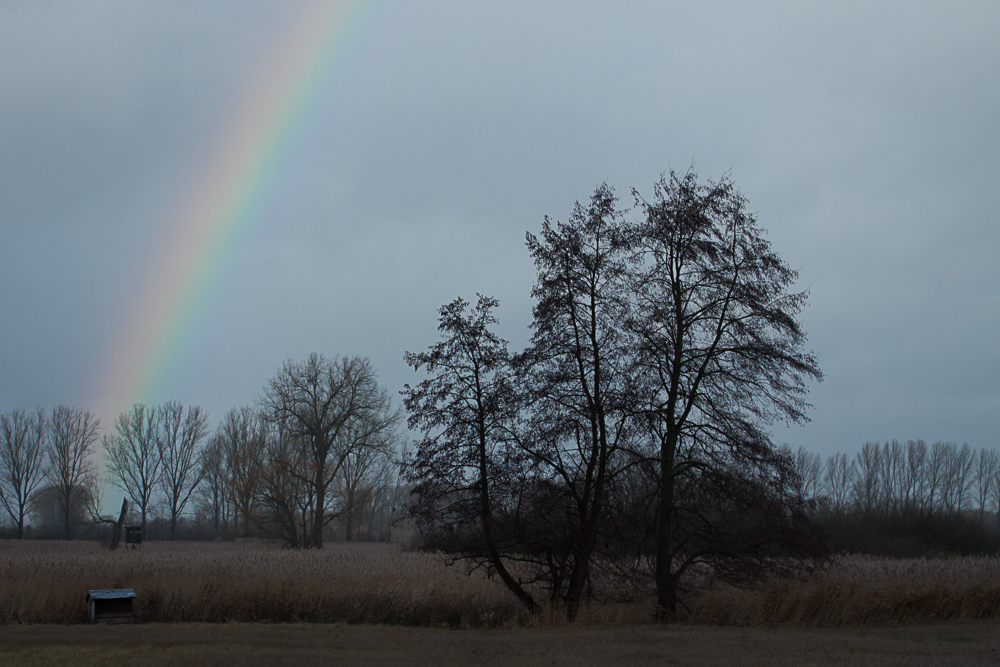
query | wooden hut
[133, 536]
[111, 605]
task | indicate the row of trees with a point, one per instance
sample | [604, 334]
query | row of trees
[37, 448]
[631, 434]
[905, 499]
[154, 454]
[320, 445]
[894, 477]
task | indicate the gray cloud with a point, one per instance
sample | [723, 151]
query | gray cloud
[864, 134]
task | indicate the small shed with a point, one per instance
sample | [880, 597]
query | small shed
[133, 536]
[112, 605]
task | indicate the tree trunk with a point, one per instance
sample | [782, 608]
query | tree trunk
[666, 586]
[317, 531]
[580, 575]
[66, 522]
[116, 532]
[371, 522]
[486, 516]
[509, 581]
[577, 582]
[349, 522]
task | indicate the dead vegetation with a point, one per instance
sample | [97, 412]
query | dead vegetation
[46, 582]
[864, 590]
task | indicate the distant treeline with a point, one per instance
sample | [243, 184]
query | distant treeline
[260, 474]
[904, 499]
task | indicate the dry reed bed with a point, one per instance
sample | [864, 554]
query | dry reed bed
[47, 582]
[863, 590]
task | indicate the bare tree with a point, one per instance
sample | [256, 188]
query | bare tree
[393, 500]
[956, 468]
[22, 450]
[965, 459]
[996, 497]
[838, 481]
[242, 435]
[868, 485]
[382, 484]
[72, 434]
[283, 494]
[809, 468]
[717, 333]
[892, 474]
[577, 378]
[936, 476]
[214, 491]
[987, 467]
[466, 410]
[360, 477]
[133, 457]
[333, 406]
[661, 351]
[178, 438]
[916, 474]
[92, 497]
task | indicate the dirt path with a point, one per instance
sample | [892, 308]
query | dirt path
[242, 645]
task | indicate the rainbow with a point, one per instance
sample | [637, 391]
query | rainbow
[255, 150]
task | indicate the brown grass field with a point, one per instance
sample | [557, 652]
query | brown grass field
[254, 603]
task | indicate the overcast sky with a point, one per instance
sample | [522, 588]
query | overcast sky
[866, 136]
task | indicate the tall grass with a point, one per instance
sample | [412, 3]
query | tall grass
[863, 590]
[47, 582]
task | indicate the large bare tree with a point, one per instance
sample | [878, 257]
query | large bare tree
[661, 352]
[333, 406]
[578, 375]
[721, 352]
[72, 434]
[22, 450]
[467, 411]
[132, 456]
[178, 439]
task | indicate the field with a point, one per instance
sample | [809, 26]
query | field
[47, 582]
[255, 603]
[864, 590]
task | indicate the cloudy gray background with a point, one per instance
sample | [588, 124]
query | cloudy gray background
[865, 135]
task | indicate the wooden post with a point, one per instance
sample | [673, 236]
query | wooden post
[116, 532]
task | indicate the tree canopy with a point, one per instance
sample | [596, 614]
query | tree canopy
[634, 426]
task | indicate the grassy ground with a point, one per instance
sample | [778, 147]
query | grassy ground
[242, 645]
